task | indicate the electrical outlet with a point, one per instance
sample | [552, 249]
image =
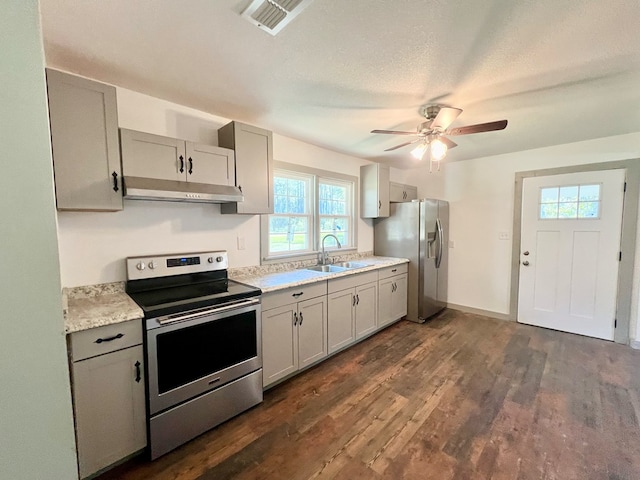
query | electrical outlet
[503, 235]
[240, 242]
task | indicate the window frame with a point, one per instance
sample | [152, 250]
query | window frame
[577, 202]
[318, 175]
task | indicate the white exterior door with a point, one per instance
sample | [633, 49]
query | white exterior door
[570, 242]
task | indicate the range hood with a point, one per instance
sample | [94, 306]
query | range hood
[139, 188]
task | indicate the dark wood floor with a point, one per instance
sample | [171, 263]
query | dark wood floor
[463, 397]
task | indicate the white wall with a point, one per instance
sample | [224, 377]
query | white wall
[93, 246]
[481, 195]
[36, 423]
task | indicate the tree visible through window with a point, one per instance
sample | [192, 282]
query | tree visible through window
[307, 207]
[335, 210]
[290, 227]
[570, 202]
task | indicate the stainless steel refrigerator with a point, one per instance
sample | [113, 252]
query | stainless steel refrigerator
[418, 231]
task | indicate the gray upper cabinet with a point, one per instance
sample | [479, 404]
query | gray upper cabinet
[253, 147]
[209, 164]
[84, 137]
[402, 193]
[154, 156]
[374, 191]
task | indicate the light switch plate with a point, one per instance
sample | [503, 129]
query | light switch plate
[503, 235]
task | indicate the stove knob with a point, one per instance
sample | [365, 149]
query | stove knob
[218, 259]
[210, 259]
[140, 266]
[153, 264]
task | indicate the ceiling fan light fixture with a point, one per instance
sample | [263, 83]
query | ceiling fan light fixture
[438, 150]
[419, 151]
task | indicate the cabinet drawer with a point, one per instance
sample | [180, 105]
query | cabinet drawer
[100, 340]
[292, 295]
[392, 271]
[351, 281]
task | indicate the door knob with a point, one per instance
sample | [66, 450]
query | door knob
[525, 263]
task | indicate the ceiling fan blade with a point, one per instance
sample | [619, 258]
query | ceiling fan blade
[445, 117]
[402, 145]
[449, 143]
[478, 128]
[393, 132]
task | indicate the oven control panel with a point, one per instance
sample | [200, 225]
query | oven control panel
[154, 266]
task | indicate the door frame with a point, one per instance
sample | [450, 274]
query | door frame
[627, 239]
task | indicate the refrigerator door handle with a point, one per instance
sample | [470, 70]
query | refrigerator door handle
[440, 242]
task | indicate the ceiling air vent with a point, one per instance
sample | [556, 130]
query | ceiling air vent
[272, 15]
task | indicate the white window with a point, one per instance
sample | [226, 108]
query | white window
[308, 205]
[569, 202]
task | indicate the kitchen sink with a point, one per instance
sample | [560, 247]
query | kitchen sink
[327, 268]
[350, 265]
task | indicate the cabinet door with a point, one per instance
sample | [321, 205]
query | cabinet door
[402, 193]
[366, 309]
[109, 401]
[411, 193]
[397, 192]
[279, 343]
[399, 297]
[374, 191]
[341, 328]
[152, 156]
[312, 331]
[84, 140]
[385, 305]
[254, 167]
[210, 164]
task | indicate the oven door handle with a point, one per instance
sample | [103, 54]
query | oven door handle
[212, 311]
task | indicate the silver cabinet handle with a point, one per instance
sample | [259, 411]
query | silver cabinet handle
[440, 243]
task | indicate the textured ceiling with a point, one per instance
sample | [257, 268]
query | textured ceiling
[559, 70]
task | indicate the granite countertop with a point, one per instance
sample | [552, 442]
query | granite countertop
[97, 306]
[271, 282]
[105, 304]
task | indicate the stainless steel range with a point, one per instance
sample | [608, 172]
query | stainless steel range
[202, 342]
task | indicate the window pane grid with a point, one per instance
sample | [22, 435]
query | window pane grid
[298, 224]
[569, 202]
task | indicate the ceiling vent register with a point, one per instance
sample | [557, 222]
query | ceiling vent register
[273, 15]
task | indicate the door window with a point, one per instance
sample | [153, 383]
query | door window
[569, 202]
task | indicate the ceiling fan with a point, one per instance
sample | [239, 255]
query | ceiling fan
[431, 134]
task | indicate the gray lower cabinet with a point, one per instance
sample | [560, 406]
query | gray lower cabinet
[154, 156]
[392, 303]
[294, 335]
[353, 312]
[108, 394]
[374, 191]
[342, 319]
[402, 193]
[84, 140]
[253, 147]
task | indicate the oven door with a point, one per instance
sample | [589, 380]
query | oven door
[191, 353]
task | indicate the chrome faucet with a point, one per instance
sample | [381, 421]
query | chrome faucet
[324, 256]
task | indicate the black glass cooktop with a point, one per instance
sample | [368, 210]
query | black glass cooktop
[167, 300]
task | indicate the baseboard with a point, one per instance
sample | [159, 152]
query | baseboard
[635, 344]
[485, 313]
